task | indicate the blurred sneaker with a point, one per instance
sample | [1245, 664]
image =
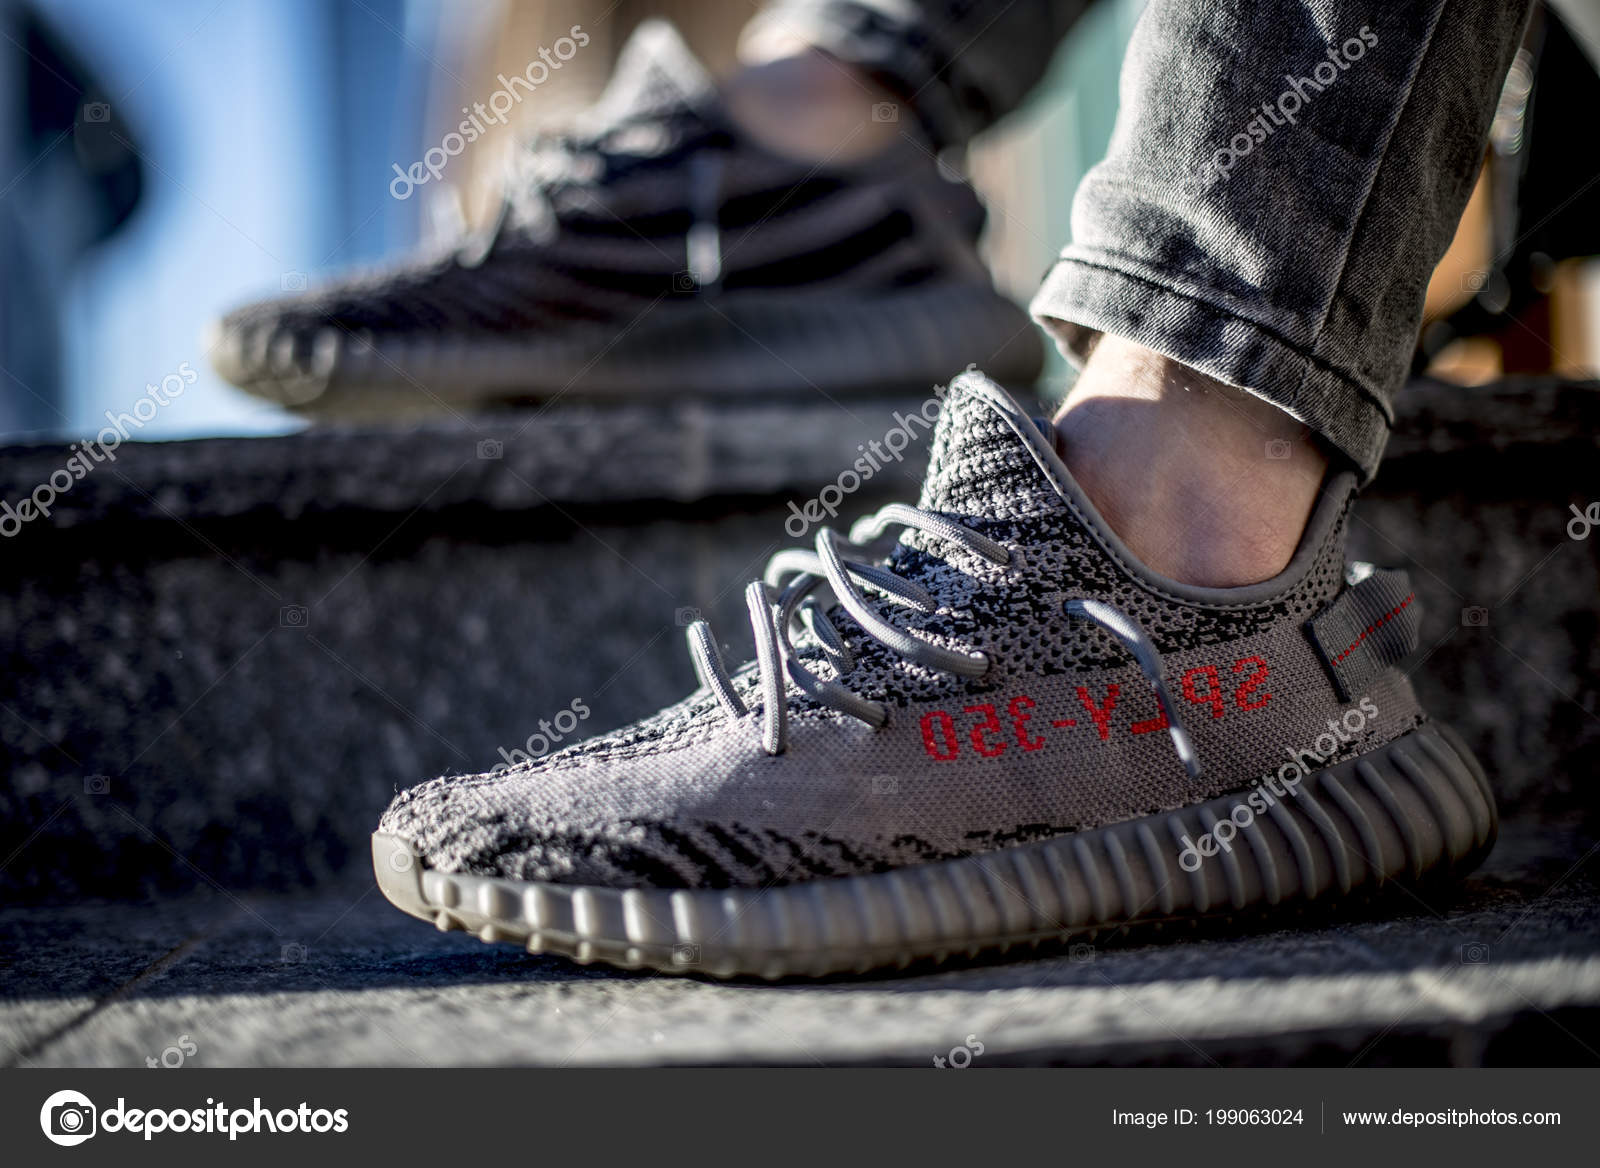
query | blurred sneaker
[1006, 731]
[657, 251]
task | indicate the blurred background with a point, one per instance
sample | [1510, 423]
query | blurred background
[163, 163]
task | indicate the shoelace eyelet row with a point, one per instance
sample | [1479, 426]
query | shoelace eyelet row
[785, 595]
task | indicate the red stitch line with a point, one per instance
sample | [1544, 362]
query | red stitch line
[1374, 627]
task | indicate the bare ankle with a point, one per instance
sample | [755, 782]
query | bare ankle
[1205, 483]
[807, 105]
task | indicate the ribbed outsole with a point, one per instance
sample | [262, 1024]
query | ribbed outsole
[909, 339]
[1418, 807]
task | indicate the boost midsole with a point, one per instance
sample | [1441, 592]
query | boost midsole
[1417, 805]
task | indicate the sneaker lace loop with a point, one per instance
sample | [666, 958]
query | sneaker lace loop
[785, 595]
[1131, 635]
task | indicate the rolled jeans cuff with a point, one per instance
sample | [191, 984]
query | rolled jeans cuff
[1088, 293]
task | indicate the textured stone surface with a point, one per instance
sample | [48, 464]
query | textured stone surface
[221, 658]
[1510, 643]
[1509, 973]
[1435, 417]
[450, 603]
[679, 451]
[507, 461]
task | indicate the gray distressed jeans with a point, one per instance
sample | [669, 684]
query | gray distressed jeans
[1282, 179]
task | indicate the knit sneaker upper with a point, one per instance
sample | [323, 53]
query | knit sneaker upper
[653, 196]
[1061, 731]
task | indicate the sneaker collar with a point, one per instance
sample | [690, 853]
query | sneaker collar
[990, 459]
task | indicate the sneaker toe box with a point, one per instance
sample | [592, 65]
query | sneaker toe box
[519, 828]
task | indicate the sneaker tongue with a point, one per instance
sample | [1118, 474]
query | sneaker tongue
[987, 461]
[983, 460]
[656, 74]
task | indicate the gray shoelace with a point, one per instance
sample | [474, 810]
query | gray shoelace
[776, 606]
[776, 602]
[555, 159]
[703, 246]
[1133, 638]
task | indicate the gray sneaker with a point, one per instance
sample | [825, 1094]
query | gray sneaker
[1003, 731]
[656, 247]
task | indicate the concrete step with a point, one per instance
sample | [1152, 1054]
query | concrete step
[1507, 974]
[223, 657]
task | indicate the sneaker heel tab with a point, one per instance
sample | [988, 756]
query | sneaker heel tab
[1374, 623]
